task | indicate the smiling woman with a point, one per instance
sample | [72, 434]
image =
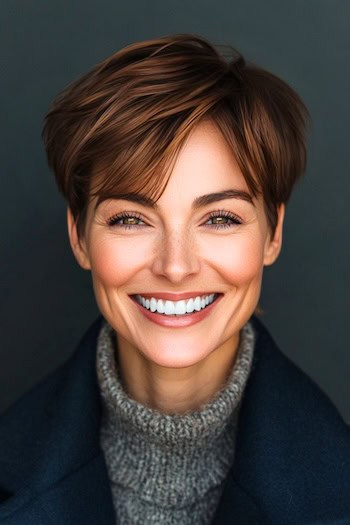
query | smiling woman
[176, 164]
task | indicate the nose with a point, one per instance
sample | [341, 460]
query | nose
[176, 257]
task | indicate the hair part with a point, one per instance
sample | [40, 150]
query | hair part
[119, 128]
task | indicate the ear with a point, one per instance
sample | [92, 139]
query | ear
[78, 245]
[273, 246]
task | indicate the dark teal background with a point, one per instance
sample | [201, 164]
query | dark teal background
[46, 301]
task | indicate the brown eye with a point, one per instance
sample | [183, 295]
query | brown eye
[223, 219]
[126, 220]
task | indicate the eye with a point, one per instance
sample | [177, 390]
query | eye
[223, 219]
[127, 220]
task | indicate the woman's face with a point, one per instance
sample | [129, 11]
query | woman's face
[186, 244]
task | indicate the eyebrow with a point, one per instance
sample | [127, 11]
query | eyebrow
[198, 202]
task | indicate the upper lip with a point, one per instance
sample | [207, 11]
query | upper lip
[174, 296]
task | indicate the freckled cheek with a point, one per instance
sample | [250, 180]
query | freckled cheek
[115, 261]
[240, 260]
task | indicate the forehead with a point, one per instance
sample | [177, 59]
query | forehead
[204, 166]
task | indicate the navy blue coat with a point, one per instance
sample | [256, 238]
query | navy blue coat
[292, 462]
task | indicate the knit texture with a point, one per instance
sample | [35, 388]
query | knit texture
[168, 469]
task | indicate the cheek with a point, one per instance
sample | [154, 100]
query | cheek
[115, 261]
[239, 258]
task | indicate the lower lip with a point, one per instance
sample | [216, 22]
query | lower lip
[177, 321]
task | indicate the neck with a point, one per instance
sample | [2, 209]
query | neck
[175, 390]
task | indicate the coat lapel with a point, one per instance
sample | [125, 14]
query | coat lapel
[61, 460]
[237, 506]
[292, 448]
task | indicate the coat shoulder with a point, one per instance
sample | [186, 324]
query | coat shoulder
[293, 448]
[290, 389]
[31, 422]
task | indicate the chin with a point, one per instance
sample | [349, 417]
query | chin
[173, 357]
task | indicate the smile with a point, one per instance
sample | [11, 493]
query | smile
[171, 308]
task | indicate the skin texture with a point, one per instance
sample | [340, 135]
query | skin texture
[175, 248]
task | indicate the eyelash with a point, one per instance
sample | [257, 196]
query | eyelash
[112, 221]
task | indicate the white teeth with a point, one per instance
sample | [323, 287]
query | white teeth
[169, 308]
[153, 305]
[197, 304]
[176, 307]
[190, 306]
[160, 306]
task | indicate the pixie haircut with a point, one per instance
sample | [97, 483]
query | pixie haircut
[117, 129]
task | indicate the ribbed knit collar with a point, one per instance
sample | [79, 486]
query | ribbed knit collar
[161, 461]
[195, 428]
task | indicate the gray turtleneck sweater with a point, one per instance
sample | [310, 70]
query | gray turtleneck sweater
[168, 469]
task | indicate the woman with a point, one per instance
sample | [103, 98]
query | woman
[177, 406]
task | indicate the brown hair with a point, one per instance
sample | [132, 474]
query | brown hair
[117, 129]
